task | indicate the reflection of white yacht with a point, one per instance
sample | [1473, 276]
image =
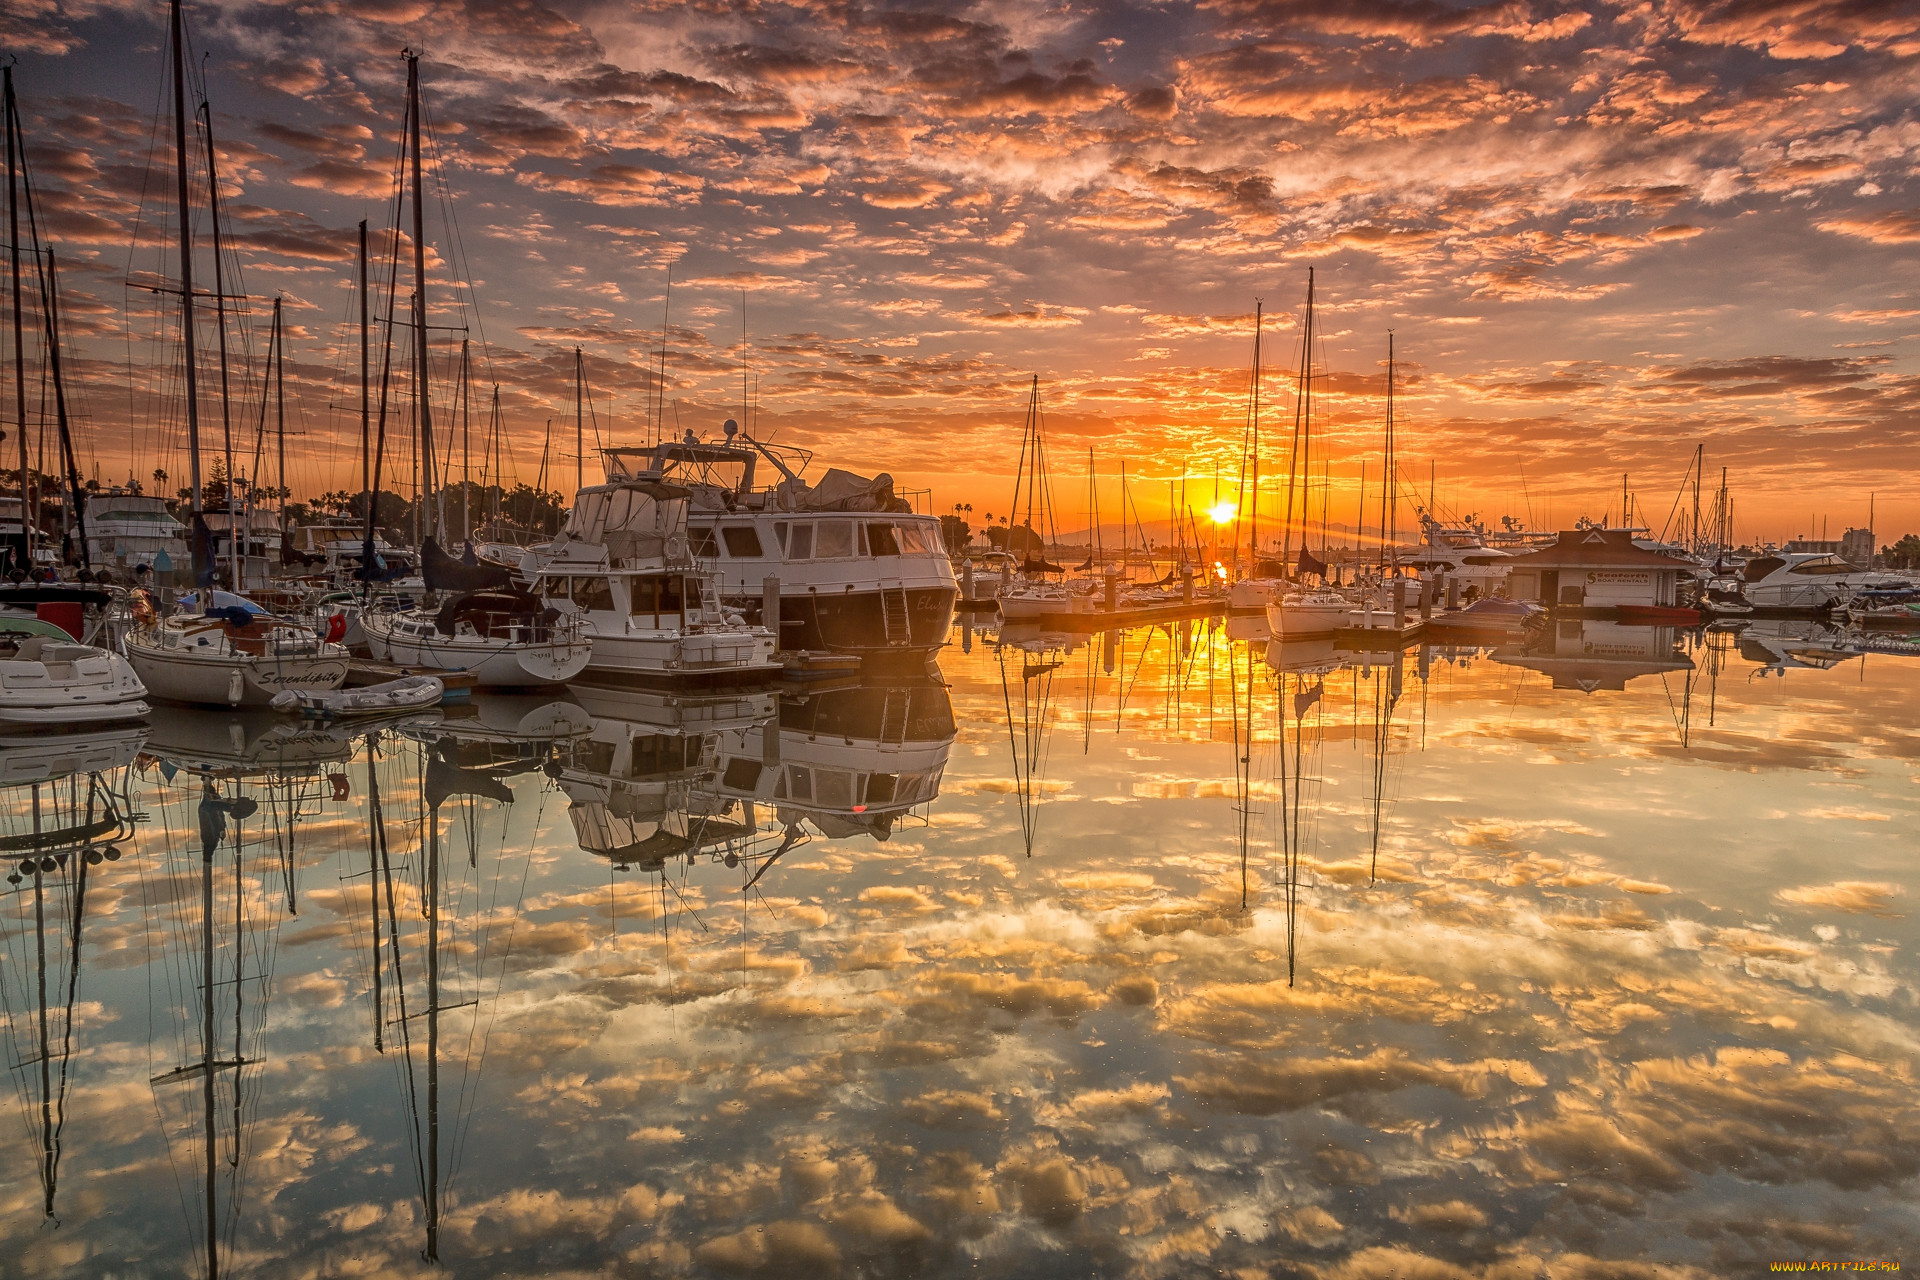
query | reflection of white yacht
[1807, 580]
[631, 782]
[1780, 644]
[128, 531]
[849, 761]
[858, 572]
[1591, 655]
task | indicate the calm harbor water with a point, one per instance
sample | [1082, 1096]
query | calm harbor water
[1154, 954]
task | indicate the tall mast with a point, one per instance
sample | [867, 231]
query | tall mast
[579, 422]
[76, 496]
[466, 445]
[186, 261]
[280, 413]
[1302, 409]
[220, 329]
[1389, 497]
[1253, 509]
[366, 384]
[19, 325]
[420, 288]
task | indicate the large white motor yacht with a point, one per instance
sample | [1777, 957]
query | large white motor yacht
[858, 571]
[1808, 580]
[128, 531]
[621, 569]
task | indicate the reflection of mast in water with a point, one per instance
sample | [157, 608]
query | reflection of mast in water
[1386, 695]
[216, 815]
[71, 825]
[1030, 736]
[1296, 817]
[440, 779]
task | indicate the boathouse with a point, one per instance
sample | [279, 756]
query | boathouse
[1595, 569]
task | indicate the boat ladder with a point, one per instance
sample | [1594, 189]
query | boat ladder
[893, 717]
[895, 619]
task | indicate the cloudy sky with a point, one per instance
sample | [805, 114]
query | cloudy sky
[1601, 234]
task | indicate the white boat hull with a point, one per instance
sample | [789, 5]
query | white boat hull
[70, 684]
[670, 654]
[1289, 618]
[494, 663]
[230, 679]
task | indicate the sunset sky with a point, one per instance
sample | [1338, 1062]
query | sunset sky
[1601, 233]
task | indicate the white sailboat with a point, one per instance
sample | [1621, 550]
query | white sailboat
[224, 657]
[504, 637]
[1299, 611]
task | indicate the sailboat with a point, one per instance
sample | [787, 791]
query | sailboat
[216, 656]
[1304, 611]
[504, 636]
[1259, 588]
[1032, 595]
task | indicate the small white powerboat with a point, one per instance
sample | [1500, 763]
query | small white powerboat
[408, 693]
[49, 678]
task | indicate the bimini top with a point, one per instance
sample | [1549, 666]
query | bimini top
[632, 519]
[1595, 549]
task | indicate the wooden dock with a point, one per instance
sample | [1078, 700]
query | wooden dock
[1381, 639]
[1123, 618]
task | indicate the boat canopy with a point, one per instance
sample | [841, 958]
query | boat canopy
[632, 519]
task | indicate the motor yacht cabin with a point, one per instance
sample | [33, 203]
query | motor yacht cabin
[858, 571]
[622, 569]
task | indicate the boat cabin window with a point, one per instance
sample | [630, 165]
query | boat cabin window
[742, 541]
[593, 594]
[700, 542]
[880, 540]
[1824, 565]
[1758, 569]
[800, 542]
[658, 599]
[918, 538]
[798, 783]
[833, 538]
[743, 774]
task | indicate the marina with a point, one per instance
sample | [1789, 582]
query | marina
[1197, 640]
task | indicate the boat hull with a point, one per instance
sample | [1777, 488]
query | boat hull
[228, 680]
[494, 664]
[1287, 620]
[730, 655]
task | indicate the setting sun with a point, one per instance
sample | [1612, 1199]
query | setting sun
[1222, 512]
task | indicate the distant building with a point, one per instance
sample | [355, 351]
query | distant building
[1856, 547]
[1595, 569]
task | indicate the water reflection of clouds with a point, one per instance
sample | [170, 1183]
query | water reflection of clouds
[1553, 1026]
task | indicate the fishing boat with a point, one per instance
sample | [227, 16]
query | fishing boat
[48, 678]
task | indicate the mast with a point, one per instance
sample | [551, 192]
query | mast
[466, 445]
[186, 263]
[14, 161]
[280, 415]
[50, 315]
[366, 387]
[1253, 510]
[1302, 424]
[579, 422]
[420, 289]
[220, 330]
[1389, 496]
